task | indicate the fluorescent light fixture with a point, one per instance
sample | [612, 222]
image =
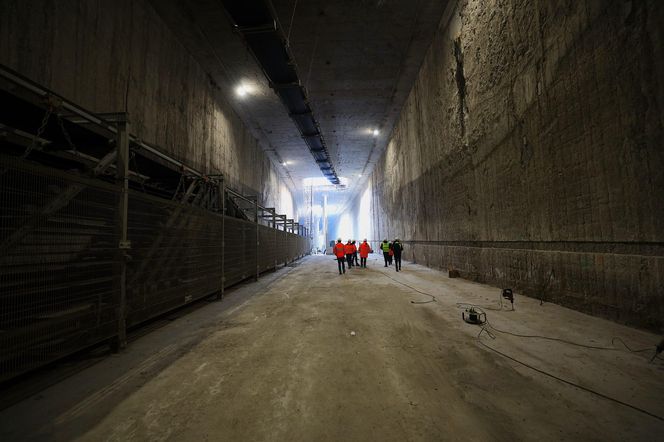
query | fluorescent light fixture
[244, 89]
[376, 132]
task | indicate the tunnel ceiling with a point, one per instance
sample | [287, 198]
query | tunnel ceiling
[357, 60]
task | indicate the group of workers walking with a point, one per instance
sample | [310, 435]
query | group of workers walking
[347, 253]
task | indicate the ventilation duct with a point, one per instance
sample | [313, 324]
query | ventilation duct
[254, 20]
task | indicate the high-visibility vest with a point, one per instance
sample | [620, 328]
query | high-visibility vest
[339, 250]
[385, 246]
[349, 249]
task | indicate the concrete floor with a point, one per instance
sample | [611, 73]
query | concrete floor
[276, 361]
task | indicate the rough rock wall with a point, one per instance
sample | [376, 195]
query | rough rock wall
[109, 56]
[530, 154]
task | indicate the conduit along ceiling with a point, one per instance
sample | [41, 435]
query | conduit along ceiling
[352, 64]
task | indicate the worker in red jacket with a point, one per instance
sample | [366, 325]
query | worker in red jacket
[340, 253]
[350, 251]
[365, 249]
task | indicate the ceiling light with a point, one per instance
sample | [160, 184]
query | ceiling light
[241, 90]
[376, 132]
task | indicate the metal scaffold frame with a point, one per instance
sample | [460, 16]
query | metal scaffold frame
[102, 231]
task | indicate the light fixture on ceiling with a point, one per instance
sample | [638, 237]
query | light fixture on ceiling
[376, 132]
[285, 163]
[242, 90]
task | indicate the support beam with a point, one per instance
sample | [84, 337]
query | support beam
[122, 180]
[222, 208]
[257, 239]
[276, 237]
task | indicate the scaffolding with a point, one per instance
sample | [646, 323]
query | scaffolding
[101, 231]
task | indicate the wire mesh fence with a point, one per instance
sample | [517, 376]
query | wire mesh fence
[59, 259]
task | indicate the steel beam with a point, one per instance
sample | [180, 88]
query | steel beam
[276, 245]
[257, 239]
[122, 180]
[222, 206]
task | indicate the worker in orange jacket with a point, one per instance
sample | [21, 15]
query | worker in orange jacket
[340, 253]
[349, 248]
[365, 249]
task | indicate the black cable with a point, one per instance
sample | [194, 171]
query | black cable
[433, 298]
[549, 338]
[565, 381]
[545, 373]
[486, 323]
[616, 338]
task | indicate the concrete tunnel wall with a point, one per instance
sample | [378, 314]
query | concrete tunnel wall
[530, 154]
[99, 54]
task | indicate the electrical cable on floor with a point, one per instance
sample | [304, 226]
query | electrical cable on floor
[433, 298]
[485, 324]
[577, 344]
[549, 338]
[565, 381]
[485, 329]
[616, 338]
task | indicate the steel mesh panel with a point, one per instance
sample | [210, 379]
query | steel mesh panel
[267, 248]
[60, 261]
[282, 247]
[292, 247]
[58, 245]
[239, 252]
[175, 256]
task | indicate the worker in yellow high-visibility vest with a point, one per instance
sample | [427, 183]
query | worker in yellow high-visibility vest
[385, 247]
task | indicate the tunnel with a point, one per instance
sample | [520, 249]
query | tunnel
[331, 220]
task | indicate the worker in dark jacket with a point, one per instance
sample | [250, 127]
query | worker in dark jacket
[385, 247]
[397, 248]
[349, 248]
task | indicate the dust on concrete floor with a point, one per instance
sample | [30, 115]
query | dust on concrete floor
[283, 365]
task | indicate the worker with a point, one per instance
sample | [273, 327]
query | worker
[397, 248]
[349, 249]
[385, 247]
[365, 249]
[340, 253]
[355, 263]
